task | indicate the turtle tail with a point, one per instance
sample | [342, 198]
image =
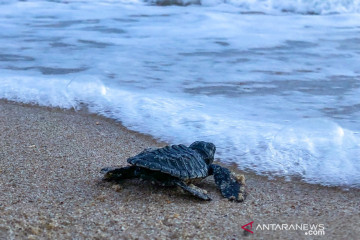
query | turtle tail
[231, 185]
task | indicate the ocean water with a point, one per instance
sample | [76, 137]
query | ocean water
[274, 84]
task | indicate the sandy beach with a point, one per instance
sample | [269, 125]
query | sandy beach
[51, 188]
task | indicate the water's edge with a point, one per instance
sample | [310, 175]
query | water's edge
[234, 166]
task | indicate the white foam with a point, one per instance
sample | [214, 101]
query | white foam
[315, 150]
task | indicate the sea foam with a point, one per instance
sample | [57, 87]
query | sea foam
[314, 150]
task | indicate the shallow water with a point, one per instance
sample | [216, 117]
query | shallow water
[275, 85]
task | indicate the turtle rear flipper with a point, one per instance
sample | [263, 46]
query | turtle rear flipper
[230, 185]
[196, 191]
[116, 173]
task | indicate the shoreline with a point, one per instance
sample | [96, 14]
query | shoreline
[51, 188]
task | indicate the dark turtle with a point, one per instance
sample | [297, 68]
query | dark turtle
[178, 165]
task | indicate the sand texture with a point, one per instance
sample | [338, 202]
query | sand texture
[51, 188]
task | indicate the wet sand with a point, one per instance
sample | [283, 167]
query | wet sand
[51, 188]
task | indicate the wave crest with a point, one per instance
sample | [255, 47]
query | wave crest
[272, 6]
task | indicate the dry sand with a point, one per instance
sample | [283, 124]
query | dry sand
[51, 189]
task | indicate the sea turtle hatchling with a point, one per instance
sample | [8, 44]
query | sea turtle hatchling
[178, 165]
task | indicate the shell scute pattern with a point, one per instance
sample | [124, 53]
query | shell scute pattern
[176, 160]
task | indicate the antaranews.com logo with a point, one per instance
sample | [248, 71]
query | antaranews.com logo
[308, 229]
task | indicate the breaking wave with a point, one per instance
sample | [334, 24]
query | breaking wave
[272, 6]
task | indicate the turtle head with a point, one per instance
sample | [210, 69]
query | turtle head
[206, 150]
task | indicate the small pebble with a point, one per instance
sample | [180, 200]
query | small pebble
[117, 187]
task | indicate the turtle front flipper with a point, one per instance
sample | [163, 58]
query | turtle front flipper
[232, 186]
[194, 190]
[116, 173]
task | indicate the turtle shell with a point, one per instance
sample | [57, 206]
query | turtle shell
[176, 160]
